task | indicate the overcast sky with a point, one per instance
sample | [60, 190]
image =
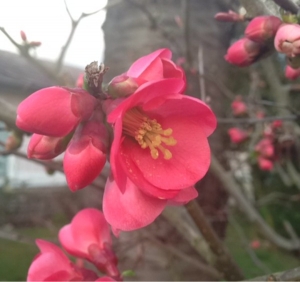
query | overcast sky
[47, 21]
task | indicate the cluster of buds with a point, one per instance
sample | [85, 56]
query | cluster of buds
[29, 44]
[87, 237]
[239, 109]
[261, 34]
[256, 43]
[265, 153]
[153, 135]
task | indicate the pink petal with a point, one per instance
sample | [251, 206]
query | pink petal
[54, 111]
[184, 196]
[171, 69]
[131, 210]
[145, 66]
[88, 227]
[190, 161]
[146, 93]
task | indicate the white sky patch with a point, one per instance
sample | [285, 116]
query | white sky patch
[48, 22]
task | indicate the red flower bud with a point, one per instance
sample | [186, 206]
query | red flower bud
[243, 52]
[238, 106]
[45, 147]
[291, 73]
[122, 86]
[287, 39]
[265, 164]
[237, 135]
[262, 28]
[23, 35]
[230, 16]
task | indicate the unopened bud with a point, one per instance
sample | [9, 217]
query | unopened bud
[122, 86]
[35, 43]
[23, 35]
[262, 28]
[287, 40]
[230, 16]
[291, 73]
[243, 52]
[13, 141]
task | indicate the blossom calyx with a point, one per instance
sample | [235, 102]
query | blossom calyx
[262, 28]
[122, 86]
[55, 111]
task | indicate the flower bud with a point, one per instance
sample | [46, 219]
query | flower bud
[291, 73]
[230, 16]
[238, 107]
[85, 156]
[44, 147]
[287, 40]
[237, 135]
[243, 52]
[265, 164]
[23, 35]
[122, 86]
[13, 141]
[265, 148]
[262, 28]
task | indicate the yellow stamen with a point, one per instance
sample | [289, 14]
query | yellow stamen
[148, 133]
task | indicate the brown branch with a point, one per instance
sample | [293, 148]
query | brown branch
[288, 275]
[287, 5]
[224, 261]
[256, 120]
[204, 268]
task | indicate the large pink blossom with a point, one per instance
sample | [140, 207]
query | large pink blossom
[55, 111]
[160, 149]
[88, 237]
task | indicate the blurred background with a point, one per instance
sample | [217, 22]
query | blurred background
[255, 213]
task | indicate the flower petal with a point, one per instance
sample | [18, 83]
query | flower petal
[190, 161]
[131, 210]
[144, 65]
[184, 196]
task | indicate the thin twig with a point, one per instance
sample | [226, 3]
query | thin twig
[224, 261]
[256, 120]
[204, 268]
[201, 73]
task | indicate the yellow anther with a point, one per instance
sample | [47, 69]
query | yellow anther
[148, 133]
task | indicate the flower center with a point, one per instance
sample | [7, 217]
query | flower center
[148, 133]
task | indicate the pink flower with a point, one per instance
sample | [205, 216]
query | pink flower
[230, 16]
[265, 164]
[45, 147]
[243, 52]
[291, 73]
[238, 106]
[265, 148]
[276, 124]
[53, 265]
[160, 148]
[255, 244]
[88, 237]
[55, 111]
[237, 135]
[85, 155]
[262, 28]
[287, 39]
[152, 67]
